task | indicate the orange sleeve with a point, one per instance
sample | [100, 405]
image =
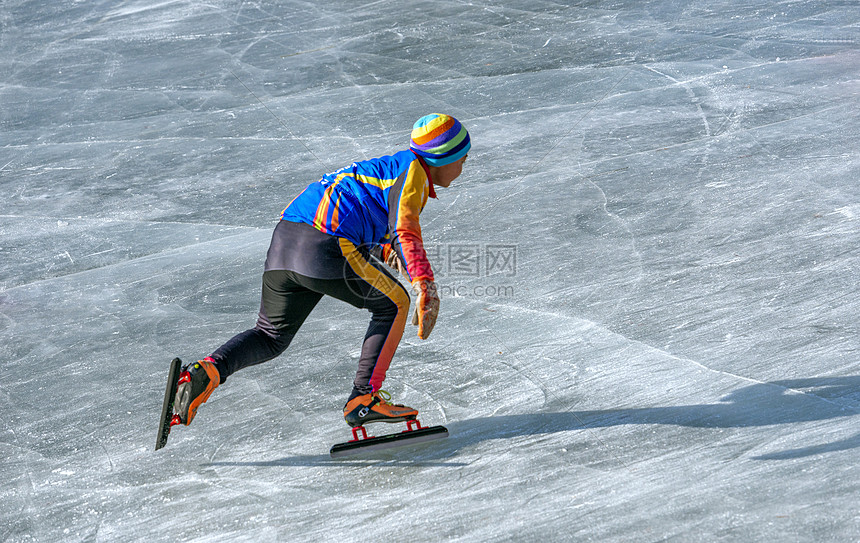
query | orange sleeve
[409, 203]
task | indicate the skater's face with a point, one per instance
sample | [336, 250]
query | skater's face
[443, 175]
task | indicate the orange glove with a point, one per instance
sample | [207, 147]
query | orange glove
[426, 307]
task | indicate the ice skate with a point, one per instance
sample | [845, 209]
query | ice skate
[196, 383]
[376, 407]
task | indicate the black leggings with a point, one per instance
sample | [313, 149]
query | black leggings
[288, 297]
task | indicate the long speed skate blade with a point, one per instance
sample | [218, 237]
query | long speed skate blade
[389, 441]
[167, 406]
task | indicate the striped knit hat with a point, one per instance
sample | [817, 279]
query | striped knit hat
[439, 139]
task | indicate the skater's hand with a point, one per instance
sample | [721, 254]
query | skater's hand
[426, 308]
[392, 260]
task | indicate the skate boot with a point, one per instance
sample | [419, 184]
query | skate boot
[376, 407]
[196, 383]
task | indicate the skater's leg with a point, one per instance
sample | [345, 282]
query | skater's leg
[389, 315]
[284, 306]
[373, 288]
[366, 286]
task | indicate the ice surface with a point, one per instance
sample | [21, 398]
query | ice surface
[650, 266]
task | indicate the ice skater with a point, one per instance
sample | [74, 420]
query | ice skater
[328, 242]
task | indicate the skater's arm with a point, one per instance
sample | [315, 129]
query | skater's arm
[408, 198]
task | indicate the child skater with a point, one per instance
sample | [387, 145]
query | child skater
[327, 243]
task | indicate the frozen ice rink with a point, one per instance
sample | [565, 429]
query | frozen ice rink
[649, 323]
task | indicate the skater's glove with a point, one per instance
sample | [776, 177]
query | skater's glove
[426, 307]
[392, 260]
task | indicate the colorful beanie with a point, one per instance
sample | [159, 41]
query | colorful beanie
[439, 139]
